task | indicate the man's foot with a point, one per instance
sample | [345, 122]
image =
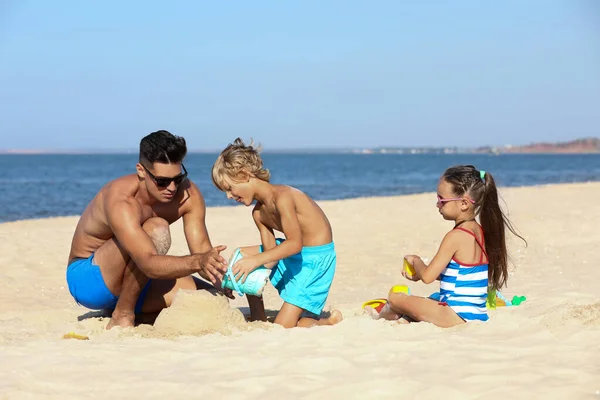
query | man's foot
[124, 320]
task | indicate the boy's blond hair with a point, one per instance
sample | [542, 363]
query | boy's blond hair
[236, 159]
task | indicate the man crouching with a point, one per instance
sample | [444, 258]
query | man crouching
[118, 255]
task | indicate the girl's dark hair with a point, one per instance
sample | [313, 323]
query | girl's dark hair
[466, 179]
[162, 147]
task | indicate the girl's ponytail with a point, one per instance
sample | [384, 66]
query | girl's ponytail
[493, 222]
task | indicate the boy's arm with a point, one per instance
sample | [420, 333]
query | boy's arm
[267, 236]
[286, 208]
[431, 272]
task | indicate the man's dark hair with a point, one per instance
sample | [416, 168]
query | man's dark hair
[162, 147]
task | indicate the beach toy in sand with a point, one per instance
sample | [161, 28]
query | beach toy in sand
[377, 304]
[400, 289]
[497, 299]
[255, 281]
[73, 335]
[410, 270]
[516, 300]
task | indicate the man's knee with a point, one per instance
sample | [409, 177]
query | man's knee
[158, 230]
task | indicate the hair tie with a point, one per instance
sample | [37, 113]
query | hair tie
[482, 175]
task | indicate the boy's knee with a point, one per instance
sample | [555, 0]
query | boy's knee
[158, 230]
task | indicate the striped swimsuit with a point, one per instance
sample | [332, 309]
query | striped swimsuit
[464, 286]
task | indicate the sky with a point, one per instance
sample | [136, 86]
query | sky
[304, 74]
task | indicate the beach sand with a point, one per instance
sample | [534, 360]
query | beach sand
[548, 347]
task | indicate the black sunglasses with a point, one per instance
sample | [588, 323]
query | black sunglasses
[164, 182]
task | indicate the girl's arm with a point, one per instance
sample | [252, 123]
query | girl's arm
[431, 272]
[286, 208]
[267, 236]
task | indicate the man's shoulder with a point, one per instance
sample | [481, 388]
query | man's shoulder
[121, 190]
[126, 185]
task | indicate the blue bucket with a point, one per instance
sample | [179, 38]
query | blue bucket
[255, 282]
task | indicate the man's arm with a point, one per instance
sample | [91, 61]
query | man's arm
[196, 235]
[286, 208]
[194, 222]
[124, 216]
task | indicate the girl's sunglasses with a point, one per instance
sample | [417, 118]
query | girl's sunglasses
[163, 181]
[441, 201]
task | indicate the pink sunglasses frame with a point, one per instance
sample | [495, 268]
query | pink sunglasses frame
[441, 201]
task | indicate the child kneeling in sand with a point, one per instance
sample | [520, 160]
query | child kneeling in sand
[465, 264]
[303, 264]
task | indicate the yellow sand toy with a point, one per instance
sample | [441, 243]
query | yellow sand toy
[378, 304]
[73, 335]
[410, 270]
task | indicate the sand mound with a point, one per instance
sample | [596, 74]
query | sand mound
[197, 313]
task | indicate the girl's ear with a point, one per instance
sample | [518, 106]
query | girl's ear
[464, 204]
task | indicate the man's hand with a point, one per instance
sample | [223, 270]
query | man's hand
[243, 267]
[212, 265]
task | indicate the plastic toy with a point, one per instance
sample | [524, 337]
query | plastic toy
[255, 281]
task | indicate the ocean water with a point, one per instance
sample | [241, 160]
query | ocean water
[38, 186]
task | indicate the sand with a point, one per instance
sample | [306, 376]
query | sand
[548, 347]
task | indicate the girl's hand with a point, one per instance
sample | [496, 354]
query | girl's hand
[411, 260]
[413, 278]
[243, 268]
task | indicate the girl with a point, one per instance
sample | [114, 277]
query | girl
[466, 264]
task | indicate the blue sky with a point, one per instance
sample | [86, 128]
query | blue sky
[304, 74]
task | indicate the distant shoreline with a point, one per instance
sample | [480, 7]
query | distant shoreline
[316, 152]
[577, 146]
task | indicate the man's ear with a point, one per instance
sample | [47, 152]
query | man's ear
[141, 172]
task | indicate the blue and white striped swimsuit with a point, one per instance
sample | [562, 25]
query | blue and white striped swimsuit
[464, 287]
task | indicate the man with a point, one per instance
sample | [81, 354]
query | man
[118, 254]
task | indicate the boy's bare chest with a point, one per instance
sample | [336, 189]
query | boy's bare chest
[271, 218]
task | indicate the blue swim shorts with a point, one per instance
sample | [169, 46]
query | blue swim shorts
[304, 279]
[88, 288]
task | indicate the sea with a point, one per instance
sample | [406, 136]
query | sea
[49, 185]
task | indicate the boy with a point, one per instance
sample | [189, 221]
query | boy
[303, 264]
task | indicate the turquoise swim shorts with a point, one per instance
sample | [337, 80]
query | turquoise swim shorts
[88, 288]
[304, 279]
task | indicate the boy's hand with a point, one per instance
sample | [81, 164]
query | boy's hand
[243, 267]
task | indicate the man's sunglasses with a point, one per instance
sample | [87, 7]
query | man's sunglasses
[163, 181]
